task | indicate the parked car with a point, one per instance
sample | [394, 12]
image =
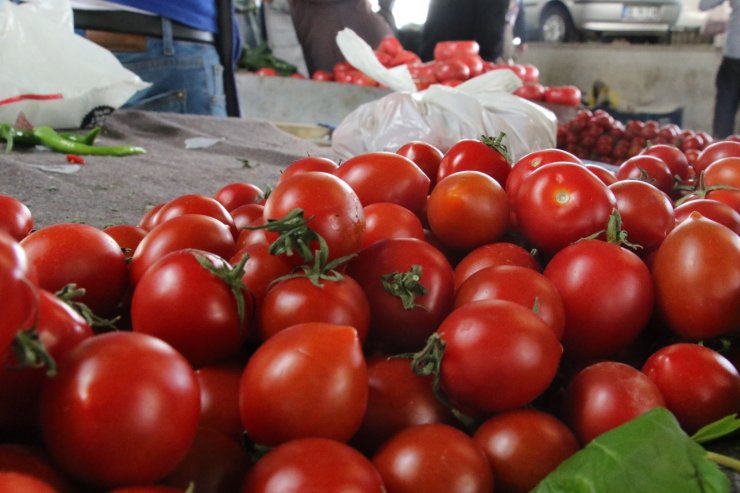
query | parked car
[572, 20]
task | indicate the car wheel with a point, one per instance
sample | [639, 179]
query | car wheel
[556, 25]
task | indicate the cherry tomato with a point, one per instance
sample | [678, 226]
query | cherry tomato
[425, 155]
[498, 356]
[697, 279]
[147, 220]
[433, 458]
[523, 446]
[699, 385]
[648, 168]
[77, 253]
[488, 155]
[308, 163]
[674, 157]
[521, 285]
[261, 269]
[386, 177]
[468, 209]
[560, 203]
[309, 380]
[232, 195]
[15, 217]
[715, 151]
[18, 294]
[710, 209]
[182, 301]
[409, 286]
[247, 215]
[123, 409]
[605, 395]
[724, 172]
[607, 176]
[646, 212]
[128, 237]
[195, 204]
[491, 255]
[532, 92]
[385, 220]
[313, 464]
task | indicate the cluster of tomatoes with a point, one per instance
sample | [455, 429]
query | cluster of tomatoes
[411, 321]
[598, 136]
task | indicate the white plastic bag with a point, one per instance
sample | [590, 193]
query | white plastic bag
[439, 115]
[51, 75]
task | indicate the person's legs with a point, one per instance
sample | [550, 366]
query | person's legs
[727, 99]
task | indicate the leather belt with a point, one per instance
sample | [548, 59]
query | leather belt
[135, 23]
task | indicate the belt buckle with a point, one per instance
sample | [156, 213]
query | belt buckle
[123, 42]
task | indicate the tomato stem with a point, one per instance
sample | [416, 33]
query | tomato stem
[497, 144]
[31, 352]
[69, 293]
[724, 460]
[232, 276]
[405, 285]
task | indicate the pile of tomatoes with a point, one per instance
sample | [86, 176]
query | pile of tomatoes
[597, 135]
[411, 321]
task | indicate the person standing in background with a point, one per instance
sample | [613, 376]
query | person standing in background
[280, 34]
[317, 23]
[186, 49]
[453, 20]
[727, 81]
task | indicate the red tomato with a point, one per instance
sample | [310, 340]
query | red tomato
[521, 285]
[646, 212]
[525, 165]
[331, 208]
[233, 195]
[285, 395]
[560, 203]
[313, 464]
[261, 268]
[216, 462]
[385, 220]
[219, 398]
[608, 296]
[449, 49]
[699, 385]
[530, 73]
[451, 69]
[524, 446]
[59, 328]
[266, 72]
[386, 177]
[607, 176]
[33, 461]
[23, 483]
[467, 209]
[715, 151]
[494, 254]
[498, 356]
[474, 63]
[673, 156]
[406, 303]
[298, 299]
[605, 395]
[488, 155]
[533, 92]
[322, 75]
[195, 204]
[724, 172]
[308, 163]
[15, 217]
[697, 279]
[150, 488]
[147, 220]
[397, 399]
[114, 385]
[567, 95]
[425, 155]
[188, 231]
[77, 253]
[710, 209]
[128, 237]
[247, 215]
[648, 168]
[18, 296]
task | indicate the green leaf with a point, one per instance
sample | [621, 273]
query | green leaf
[650, 453]
[718, 429]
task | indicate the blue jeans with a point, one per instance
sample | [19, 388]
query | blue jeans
[186, 76]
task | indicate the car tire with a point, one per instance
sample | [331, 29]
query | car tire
[556, 25]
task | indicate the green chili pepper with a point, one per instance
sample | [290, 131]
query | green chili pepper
[88, 138]
[50, 138]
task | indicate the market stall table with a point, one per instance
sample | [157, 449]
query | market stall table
[185, 154]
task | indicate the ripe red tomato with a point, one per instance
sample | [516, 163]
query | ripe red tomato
[15, 217]
[560, 203]
[397, 399]
[77, 253]
[451, 69]
[114, 385]
[332, 209]
[494, 254]
[525, 165]
[128, 237]
[195, 204]
[434, 458]
[313, 464]
[467, 209]
[488, 155]
[532, 92]
[405, 308]
[297, 299]
[147, 220]
[219, 398]
[385, 220]
[247, 215]
[18, 296]
[18, 482]
[386, 177]
[646, 212]
[233, 195]
[308, 163]
[32, 460]
[608, 296]
[474, 62]
[648, 168]
[425, 155]
[498, 356]
[450, 49]
[605, 395]
[261, 268]
[673, 156]
[697, 279]
[567, 95]
[322, 75]
[284, 394]
[266, 72]
[524, 446]
[150, 488]
[724, 172]
[710, 209]
[699, 385]
[607, 176]
[716, 150]
[188, 231]
[522, 285]
[187, 305]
